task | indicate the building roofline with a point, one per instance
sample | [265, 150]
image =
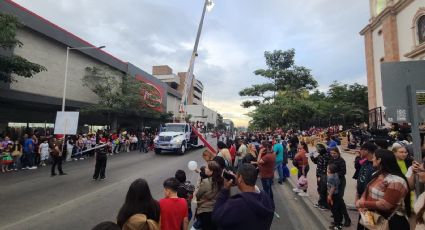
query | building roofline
[32, 20]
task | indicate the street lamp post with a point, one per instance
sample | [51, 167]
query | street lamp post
[66, 69]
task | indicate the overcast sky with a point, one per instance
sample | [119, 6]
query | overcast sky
[324, 34]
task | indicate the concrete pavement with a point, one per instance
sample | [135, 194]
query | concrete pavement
[349, 196]
[32, 199]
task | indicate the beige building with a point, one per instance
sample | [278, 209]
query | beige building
[176, 83]
[396, 32]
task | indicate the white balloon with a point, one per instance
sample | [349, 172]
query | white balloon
[192, 165]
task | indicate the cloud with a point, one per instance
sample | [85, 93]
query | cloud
[231, 109]
[324, 33]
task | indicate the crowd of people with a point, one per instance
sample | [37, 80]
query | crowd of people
[386, 179]
[33, 151]
[249, 208]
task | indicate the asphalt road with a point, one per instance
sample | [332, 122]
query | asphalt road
[32, 199]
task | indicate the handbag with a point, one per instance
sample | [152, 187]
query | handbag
[374, 221]
[16, 153]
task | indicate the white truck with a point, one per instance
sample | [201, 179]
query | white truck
[176, 137]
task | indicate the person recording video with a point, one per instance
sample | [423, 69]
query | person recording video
[250, 209]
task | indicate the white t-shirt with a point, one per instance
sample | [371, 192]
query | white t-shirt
[44, 148]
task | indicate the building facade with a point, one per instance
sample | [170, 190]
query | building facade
[36, 100]
[203, 114]
[395, 32]
[177, 81]
[176, 84]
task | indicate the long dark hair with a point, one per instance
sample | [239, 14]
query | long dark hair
[389, 166]
[304, 145]
[138, 201]
[268, 146]
[216, 178]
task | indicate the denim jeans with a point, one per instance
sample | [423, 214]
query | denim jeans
[267, 186]
[28, 159]
[279, 168]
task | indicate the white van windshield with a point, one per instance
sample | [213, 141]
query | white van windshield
[174, 128]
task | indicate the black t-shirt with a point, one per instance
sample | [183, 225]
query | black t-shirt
[101, 152]
[364, 177]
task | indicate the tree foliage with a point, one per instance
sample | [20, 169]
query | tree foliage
[220, 122]
[119, 95]
[288, 98]
[283, 76]
[10, 64]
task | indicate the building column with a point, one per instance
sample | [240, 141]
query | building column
[370, 68]
[389, 30]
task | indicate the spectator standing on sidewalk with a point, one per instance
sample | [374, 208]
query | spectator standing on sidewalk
[241, 153]
[207, 194]
[101, 157]
[185, 190]
[43, 150]
[278, 149]
[321, 161]
[17, 155]
[223, 151]
[367, 151]
[35, 151]
[341, 170]
[69, 146]
[387, 191]
[301, 162]
[173, 209]
[6, 158]
[251, 157]
[57, 153]
[28, 153]
[139, 209]
[334, 199]
[331, 143]
[266, 165]
[293, 145]
[419, 206]
[249, 209]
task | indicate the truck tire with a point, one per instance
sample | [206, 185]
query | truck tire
[182, 149]
[158, 151]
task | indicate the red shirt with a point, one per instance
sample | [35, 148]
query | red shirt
[173, 211]
[232, 151]
[267, 168]
[301, 158]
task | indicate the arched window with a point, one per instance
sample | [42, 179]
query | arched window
[421, 29]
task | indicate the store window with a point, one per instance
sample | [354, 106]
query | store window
[421, 29]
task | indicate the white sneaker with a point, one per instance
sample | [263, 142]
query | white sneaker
[81, 158]
[297, 190]
[33, 167]
[303, 194]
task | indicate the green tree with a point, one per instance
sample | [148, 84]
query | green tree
[283, 76]
[220, 123]
[350, 101]
[11, 64]
[280, 101]
[119, 95]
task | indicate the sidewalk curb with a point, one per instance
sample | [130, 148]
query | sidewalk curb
[308, 205]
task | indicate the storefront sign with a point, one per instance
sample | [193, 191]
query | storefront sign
[152, 95]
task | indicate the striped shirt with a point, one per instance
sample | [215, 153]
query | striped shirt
[385, 194]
